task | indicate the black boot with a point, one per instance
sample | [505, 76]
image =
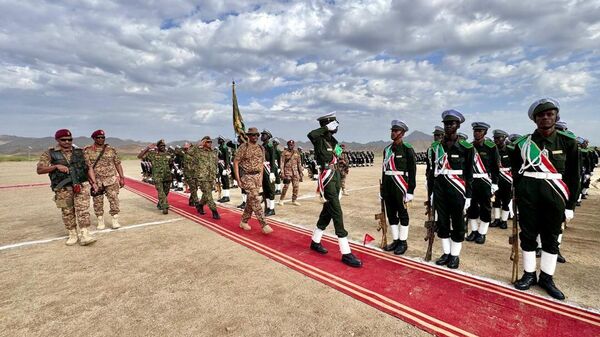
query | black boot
[495, 223]
[480, 239]
[165, 211]
[578, 203]
[526, 281]
[277, 192]
[191, 202]
[200, 209]
[215, 214]
[472, 236]
[560, 258]
[269, 212]
[318, 247]
[453, 262]
[351, 260]
[547, 283]
[224, 199]
[443, 260]
[401, 248]
[503, 225]
[242, 205]
[392, 246]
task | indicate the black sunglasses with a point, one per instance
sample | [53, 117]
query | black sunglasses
[101, 137]
[66, 139]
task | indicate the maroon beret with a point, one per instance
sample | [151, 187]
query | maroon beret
[62, 133]
[98, 133]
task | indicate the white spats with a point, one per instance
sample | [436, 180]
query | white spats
[483, 228]
[317, 235]
[270, 204]
[455, 248]
[584, 191]
[344, 245]
[446, 245]
[244, 197]
[496, 213]
[559, 238]
[505, 215]
[226, 193]
[395, 232]
[474, 224]
[529, 261]
[403, 233]
[548, 263]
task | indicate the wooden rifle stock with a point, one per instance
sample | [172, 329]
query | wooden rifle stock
[431, 229]
[381, 224]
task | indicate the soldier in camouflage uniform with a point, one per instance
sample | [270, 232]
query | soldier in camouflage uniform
[190, 171]
[161, 171]
[344, 167]
[248, 166]
[70, 170]
[109, 175]
[207, 169]
[292, 172]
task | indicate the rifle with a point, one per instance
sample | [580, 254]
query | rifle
[431, 229]
[218, 187]
[514, 241]
[382, 225]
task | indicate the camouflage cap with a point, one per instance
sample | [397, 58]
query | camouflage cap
[252, 131]
[207, 138]
[161, 141]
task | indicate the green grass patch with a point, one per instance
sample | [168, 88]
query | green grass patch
[8, 157]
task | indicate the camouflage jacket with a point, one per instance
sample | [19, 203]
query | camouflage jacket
[106, 167]
[207, 164]
[292, 166]
[161, 165]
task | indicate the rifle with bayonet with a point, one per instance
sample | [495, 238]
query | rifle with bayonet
[382, 224]
[431, 229]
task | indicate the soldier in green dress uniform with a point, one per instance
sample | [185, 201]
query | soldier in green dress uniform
[161, 171]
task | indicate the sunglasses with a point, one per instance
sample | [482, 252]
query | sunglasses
[100, 137]
[66, 139]
[253, 134]
[208, 141]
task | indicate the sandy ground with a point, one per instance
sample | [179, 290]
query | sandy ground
[180, 279]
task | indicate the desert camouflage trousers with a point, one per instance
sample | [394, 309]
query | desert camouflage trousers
[193, 185]
[207, 198]
[252, 184]
[112, 194]
[74, 206]
[295, 180]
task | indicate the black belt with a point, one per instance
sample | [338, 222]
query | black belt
[252, 173]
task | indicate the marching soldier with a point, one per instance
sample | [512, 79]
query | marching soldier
[161, 171]
[546, 169]
[224, 168]
[248, 166]
[269, 173]
[587, 167]
[207, 169]
[485, 183]
[452, 177]
[344, 167]
[106, 164]
[504, 192]
[278, 171]
[398, 179]
[70, 170]
[292, 172]
[327, 152]
[190, 171]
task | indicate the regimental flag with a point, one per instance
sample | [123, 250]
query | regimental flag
[238, 122]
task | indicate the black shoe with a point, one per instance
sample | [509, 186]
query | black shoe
[158, 205]
[277, 192]
[525, 282]
[560, 258]
[191, 203]
[480, 239]
[495, 223]
[472, 236]
[318, 247]
[392, 246]
[200, 209]
[269, 212]
[179, 189]
[215, 215]
[538, 252]
[165, 211]
[453, 262]
[401, 248]
[547, 283]
[503, 225]
[242, 205]
[224, 199]
[578, 203]
[584, 196]
[443, 260]
[351, 260]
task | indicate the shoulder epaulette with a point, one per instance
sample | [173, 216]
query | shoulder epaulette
[519, 139]
[465, 144]
[489, 143]
[408, 145]
[567, 134]
[510, 147]
[435, 143]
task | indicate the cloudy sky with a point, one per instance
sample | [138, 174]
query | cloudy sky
[163, 69]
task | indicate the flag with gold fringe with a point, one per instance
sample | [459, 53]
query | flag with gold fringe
[238, 122]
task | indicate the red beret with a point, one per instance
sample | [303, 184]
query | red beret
[98, 133]
[62, 133]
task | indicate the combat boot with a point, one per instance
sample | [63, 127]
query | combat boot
[224, 199]
[547, 283]
[443, 260]
[165, 211]
[318, 247]
[525, 282]
[401, 248]
[344, 192]
[191, 202]
[215, 215]
[351, 260]
[453, 262]
[73, 238]
[245, 226]
[280, 203]
[86, 237]
[560, 258]
[100, 225]
[392, 246]
[472, 236]
[295, 203]
[200, 209]
[266, 229]
[269, 212]
[242, 205]
[115, 222]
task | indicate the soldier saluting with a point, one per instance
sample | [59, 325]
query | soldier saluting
[546, 175]
[161, 171]
[452, 176]
[398, 185]
[327, 152]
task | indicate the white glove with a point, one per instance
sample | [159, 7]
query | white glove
[408, 197]
[569, 215]
[224, 173]
[332, 125]
[494, 188]
[467, 204]
[272, 177]
[587, 176]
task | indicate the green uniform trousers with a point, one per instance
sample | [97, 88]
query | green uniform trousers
[206, 186]
[193, 185]
[332, 209]
[162, 187]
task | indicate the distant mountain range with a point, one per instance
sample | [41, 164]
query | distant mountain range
[15, 145]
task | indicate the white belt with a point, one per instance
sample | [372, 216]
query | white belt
[449, 172]
[480, 175]
[542, 175]
[394, 173]
[504, 169]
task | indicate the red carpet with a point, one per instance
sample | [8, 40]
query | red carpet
[436, 300]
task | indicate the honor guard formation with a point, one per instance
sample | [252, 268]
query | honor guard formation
[537, 180]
